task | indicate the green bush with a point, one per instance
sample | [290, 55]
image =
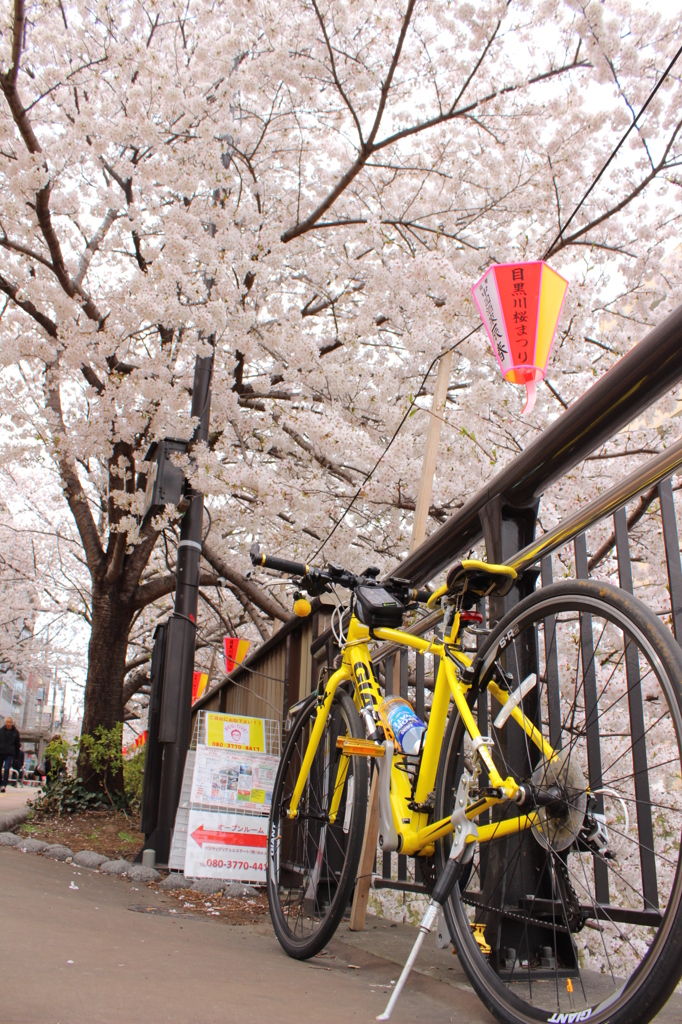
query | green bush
[64, 791]
[66, 794]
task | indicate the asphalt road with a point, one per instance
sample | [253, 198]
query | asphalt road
[109, 951]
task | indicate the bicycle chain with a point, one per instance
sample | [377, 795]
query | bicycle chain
[516, 915]
[573, 911]
[573, 914]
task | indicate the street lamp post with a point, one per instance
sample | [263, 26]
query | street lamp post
[175, 682]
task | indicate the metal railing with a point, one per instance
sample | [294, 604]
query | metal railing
[650, 370]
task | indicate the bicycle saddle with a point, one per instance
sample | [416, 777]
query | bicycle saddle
[473, 580]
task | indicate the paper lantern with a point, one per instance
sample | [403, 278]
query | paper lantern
[235, 651]
[199, 683]
[520, 305]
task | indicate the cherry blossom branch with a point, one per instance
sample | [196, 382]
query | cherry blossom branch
[93, 246]
[17, 36]
[73, 490]
[147, 593]
[385, 88]
[562, 242]
[134, 684]
[6, 243]
[259, 597]
[11, 290]
[371, 146]
[335, 76]
[8, 83]
[318, 456]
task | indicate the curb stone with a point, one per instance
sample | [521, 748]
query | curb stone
[239, 889]
[89, 859]
[115, 867]
[208, 886]
[58, 852]
[175, 880]
[140, 873]
[13, 818]
[31, 845]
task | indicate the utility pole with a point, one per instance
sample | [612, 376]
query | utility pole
[176, 700]
[54, 701]
[440, 394]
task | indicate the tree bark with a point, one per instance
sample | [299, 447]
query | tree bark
[103, 706]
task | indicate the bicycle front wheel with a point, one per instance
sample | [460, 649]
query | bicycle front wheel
[312, 860]
[579, 916]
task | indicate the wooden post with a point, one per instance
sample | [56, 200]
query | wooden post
[369, 849]
[421, 511]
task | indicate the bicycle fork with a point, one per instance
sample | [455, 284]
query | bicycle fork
[465, 833]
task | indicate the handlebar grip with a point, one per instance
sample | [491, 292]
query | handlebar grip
[284, 565]
[259, 558]
[422, 596]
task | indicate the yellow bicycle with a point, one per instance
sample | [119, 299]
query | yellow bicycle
[544, 797]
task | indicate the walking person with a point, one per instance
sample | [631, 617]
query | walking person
[9, 749]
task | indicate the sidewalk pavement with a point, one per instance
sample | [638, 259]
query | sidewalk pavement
[79, 947]
[83, 948]
[13, 808]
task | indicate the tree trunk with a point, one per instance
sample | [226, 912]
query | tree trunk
[103, 702]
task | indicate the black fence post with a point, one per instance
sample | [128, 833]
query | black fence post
[513, 866]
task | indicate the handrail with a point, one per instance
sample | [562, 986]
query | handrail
[646, 476]
[637, 380]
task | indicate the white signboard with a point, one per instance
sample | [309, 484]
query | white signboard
[231, 779]
[226, 845]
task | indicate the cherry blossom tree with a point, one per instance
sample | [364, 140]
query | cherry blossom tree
[309, 190]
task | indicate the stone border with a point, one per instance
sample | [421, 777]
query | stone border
[92, 861]
[13, 818]
[98, 862]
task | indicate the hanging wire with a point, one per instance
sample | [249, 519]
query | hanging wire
[650, 97]
[397, 430]
[208, 528]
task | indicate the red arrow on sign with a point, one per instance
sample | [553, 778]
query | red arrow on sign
[253, 840]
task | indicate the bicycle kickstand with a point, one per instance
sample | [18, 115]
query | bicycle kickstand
[460, 854]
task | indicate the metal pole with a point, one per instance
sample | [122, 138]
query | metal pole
[176, 706]
[54, 701]
[440, 393]
[514, 867]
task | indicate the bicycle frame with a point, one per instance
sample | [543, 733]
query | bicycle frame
[416, 835]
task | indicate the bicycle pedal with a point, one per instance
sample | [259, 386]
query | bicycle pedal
[352, 747]
[479, 935]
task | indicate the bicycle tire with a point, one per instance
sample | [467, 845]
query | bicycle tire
[645, 963]
[312, 864]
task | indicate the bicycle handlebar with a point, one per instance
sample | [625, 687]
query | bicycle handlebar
[317, 581]
[259, 558]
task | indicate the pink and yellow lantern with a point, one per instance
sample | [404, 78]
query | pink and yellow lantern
[520, 305]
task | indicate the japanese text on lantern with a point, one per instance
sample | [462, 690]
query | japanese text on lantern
[520, 305]
[520, 313]
[495, 332]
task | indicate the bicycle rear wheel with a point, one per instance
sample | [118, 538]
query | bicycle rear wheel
[580, 916]
[312, 862]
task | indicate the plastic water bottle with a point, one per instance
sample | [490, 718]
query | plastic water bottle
[406, 726]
